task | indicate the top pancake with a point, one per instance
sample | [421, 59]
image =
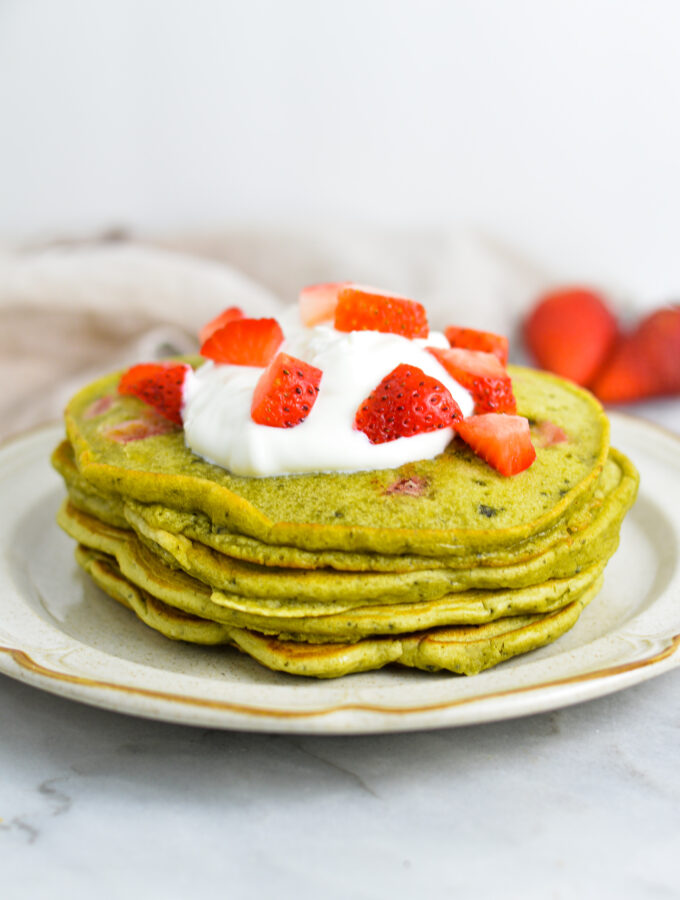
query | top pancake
[453, 503]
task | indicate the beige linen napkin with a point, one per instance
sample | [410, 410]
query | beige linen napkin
[68, 314]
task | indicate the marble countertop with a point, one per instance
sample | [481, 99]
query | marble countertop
[584, 801]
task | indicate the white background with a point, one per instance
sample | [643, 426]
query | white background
[552, 126]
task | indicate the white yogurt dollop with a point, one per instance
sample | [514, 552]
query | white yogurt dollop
[217, 400]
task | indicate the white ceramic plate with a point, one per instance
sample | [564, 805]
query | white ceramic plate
[60, 633]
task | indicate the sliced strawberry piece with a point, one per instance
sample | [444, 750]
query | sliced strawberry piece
[646, 363]
[406, 402]
[318, 301]
[225, 317]
[286, 392]
[99, 407]
[471, 339]
[244, 342]
[503, 441]
[159, 385]
[571, 332]
[370, 309]
[548, 434]
[482, 375]
[415, 486]
[151, 425]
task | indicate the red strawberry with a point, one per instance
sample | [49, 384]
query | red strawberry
[159, 385]
[286, 392]
[318, 301]
[226, 316]
[470, 339]
[503, 441]
[370, 309]
[244, 342]
[482, 375]
[150, 425]
[99, 407]
[406, 402]
[571, 332]
[646, 363]
[548, 434]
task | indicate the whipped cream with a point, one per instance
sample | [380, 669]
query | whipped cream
[217, 401]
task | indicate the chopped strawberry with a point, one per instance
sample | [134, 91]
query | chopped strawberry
[548, 434]
[159, 385]
[286, 392]
[415, 486]
[406, 402]
[370, 309]
[481, 374]
[470, 339]
[150, 425]
[228, 315]
[646, 363]
[318, 301]
[503, 441]
[244, 342]
[571, 332]
[99, 407]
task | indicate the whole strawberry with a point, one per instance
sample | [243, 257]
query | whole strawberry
[645, 363]
[571, 332]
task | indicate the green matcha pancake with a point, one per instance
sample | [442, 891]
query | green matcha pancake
[440, 564]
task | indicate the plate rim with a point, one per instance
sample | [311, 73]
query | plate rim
[372, 717]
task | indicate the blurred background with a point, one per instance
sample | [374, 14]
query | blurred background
[470, 151]
[551, 126]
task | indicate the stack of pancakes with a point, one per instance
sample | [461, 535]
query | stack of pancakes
[440, 564]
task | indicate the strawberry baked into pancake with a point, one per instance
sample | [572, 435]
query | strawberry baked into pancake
[343, 488]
